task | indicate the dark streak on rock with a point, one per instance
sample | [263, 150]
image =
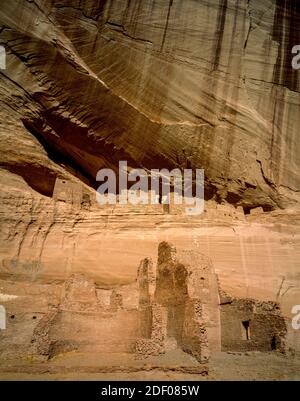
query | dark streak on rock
[166, 26]
[220, 33]
[287, 33]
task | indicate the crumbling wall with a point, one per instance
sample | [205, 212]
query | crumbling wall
[79, 294]
[86, 201]
[152, 316]
[26, 305]
[194, 333]
[202, 284]
[67, 191]
[72, 193]
[250, 325]
[146, 284]
[155, 343]
[173, 316]
[177, 304]
[82, 321]
[41, 335]
[103, 331]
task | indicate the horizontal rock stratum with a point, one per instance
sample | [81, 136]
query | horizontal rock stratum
[159, 84]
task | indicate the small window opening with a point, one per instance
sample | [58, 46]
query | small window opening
[274, 343]
[246, 330]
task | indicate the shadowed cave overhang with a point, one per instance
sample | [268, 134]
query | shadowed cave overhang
[108, 83]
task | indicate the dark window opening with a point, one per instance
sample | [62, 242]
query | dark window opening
[274, 343]
[246, 330]
[12, 316]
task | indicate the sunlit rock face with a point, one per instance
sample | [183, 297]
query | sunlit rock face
[160, 84]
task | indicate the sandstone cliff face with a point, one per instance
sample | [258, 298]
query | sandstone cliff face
[161, 84]
[46, 241]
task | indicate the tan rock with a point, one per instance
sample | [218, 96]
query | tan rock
[162, 85]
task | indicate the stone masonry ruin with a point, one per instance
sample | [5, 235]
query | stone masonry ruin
[175, 308]
[72, 193]
[77, 195]
[251, 325]
[175, 305]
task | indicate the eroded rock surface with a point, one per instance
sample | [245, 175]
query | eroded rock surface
[188, 84]
[160, 84]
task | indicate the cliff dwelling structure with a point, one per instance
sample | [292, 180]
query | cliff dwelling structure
[147, 291]
[174, 304]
